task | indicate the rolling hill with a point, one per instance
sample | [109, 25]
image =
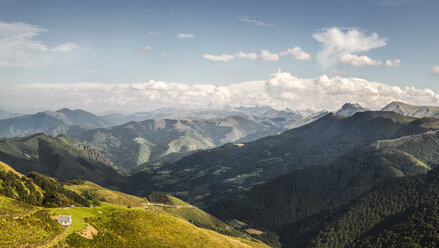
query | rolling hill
[110, 225]
[61, 157]
[136, 143]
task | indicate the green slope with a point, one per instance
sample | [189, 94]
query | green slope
[23, 225]
[110, 225]
[104, 194]
[61, 157]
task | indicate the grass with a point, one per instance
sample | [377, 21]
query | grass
[13, 208]
[108, 196]
[119, 227]
[23, 225]
[194, 215]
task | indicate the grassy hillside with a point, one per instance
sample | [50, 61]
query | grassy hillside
[40, 190]
[209, 175]
[61, 157]
[104, 194]
[23, 225]
[113, 224]
[117, 227]
[180, 209]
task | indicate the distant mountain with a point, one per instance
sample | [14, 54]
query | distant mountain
[52, 123]
[307, 119]
[208, 175]
[181, 113]
[412, 110]
[257, 110]
[135, 143]
[61, 157]
[6, 115]
[350, 109]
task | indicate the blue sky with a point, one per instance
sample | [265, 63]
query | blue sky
[122, 42]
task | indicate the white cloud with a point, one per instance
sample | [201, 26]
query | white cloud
[145, 49]
[392, 63]
[259, 23]
[65, 48]
[185, 36]
[163, 55]
[251, 56]
[355, 60]
[268, 56]
[19, 47]
[338, 41]
[264, 55]
[434, 70]
[279, 91]
[296, 53]
[219, 58]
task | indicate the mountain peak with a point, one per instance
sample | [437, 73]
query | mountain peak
[350, 109]
[64, 110]
[403, 108]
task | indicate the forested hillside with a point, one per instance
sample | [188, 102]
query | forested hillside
[206, 176]
[397, 213]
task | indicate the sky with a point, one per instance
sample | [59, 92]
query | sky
[143, 55]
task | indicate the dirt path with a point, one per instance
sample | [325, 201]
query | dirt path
[89, 232]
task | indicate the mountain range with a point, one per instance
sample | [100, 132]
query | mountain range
[355, 178]
[207, 175]
[135, 143]
[52, 123]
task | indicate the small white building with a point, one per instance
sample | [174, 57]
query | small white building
[65, 220]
